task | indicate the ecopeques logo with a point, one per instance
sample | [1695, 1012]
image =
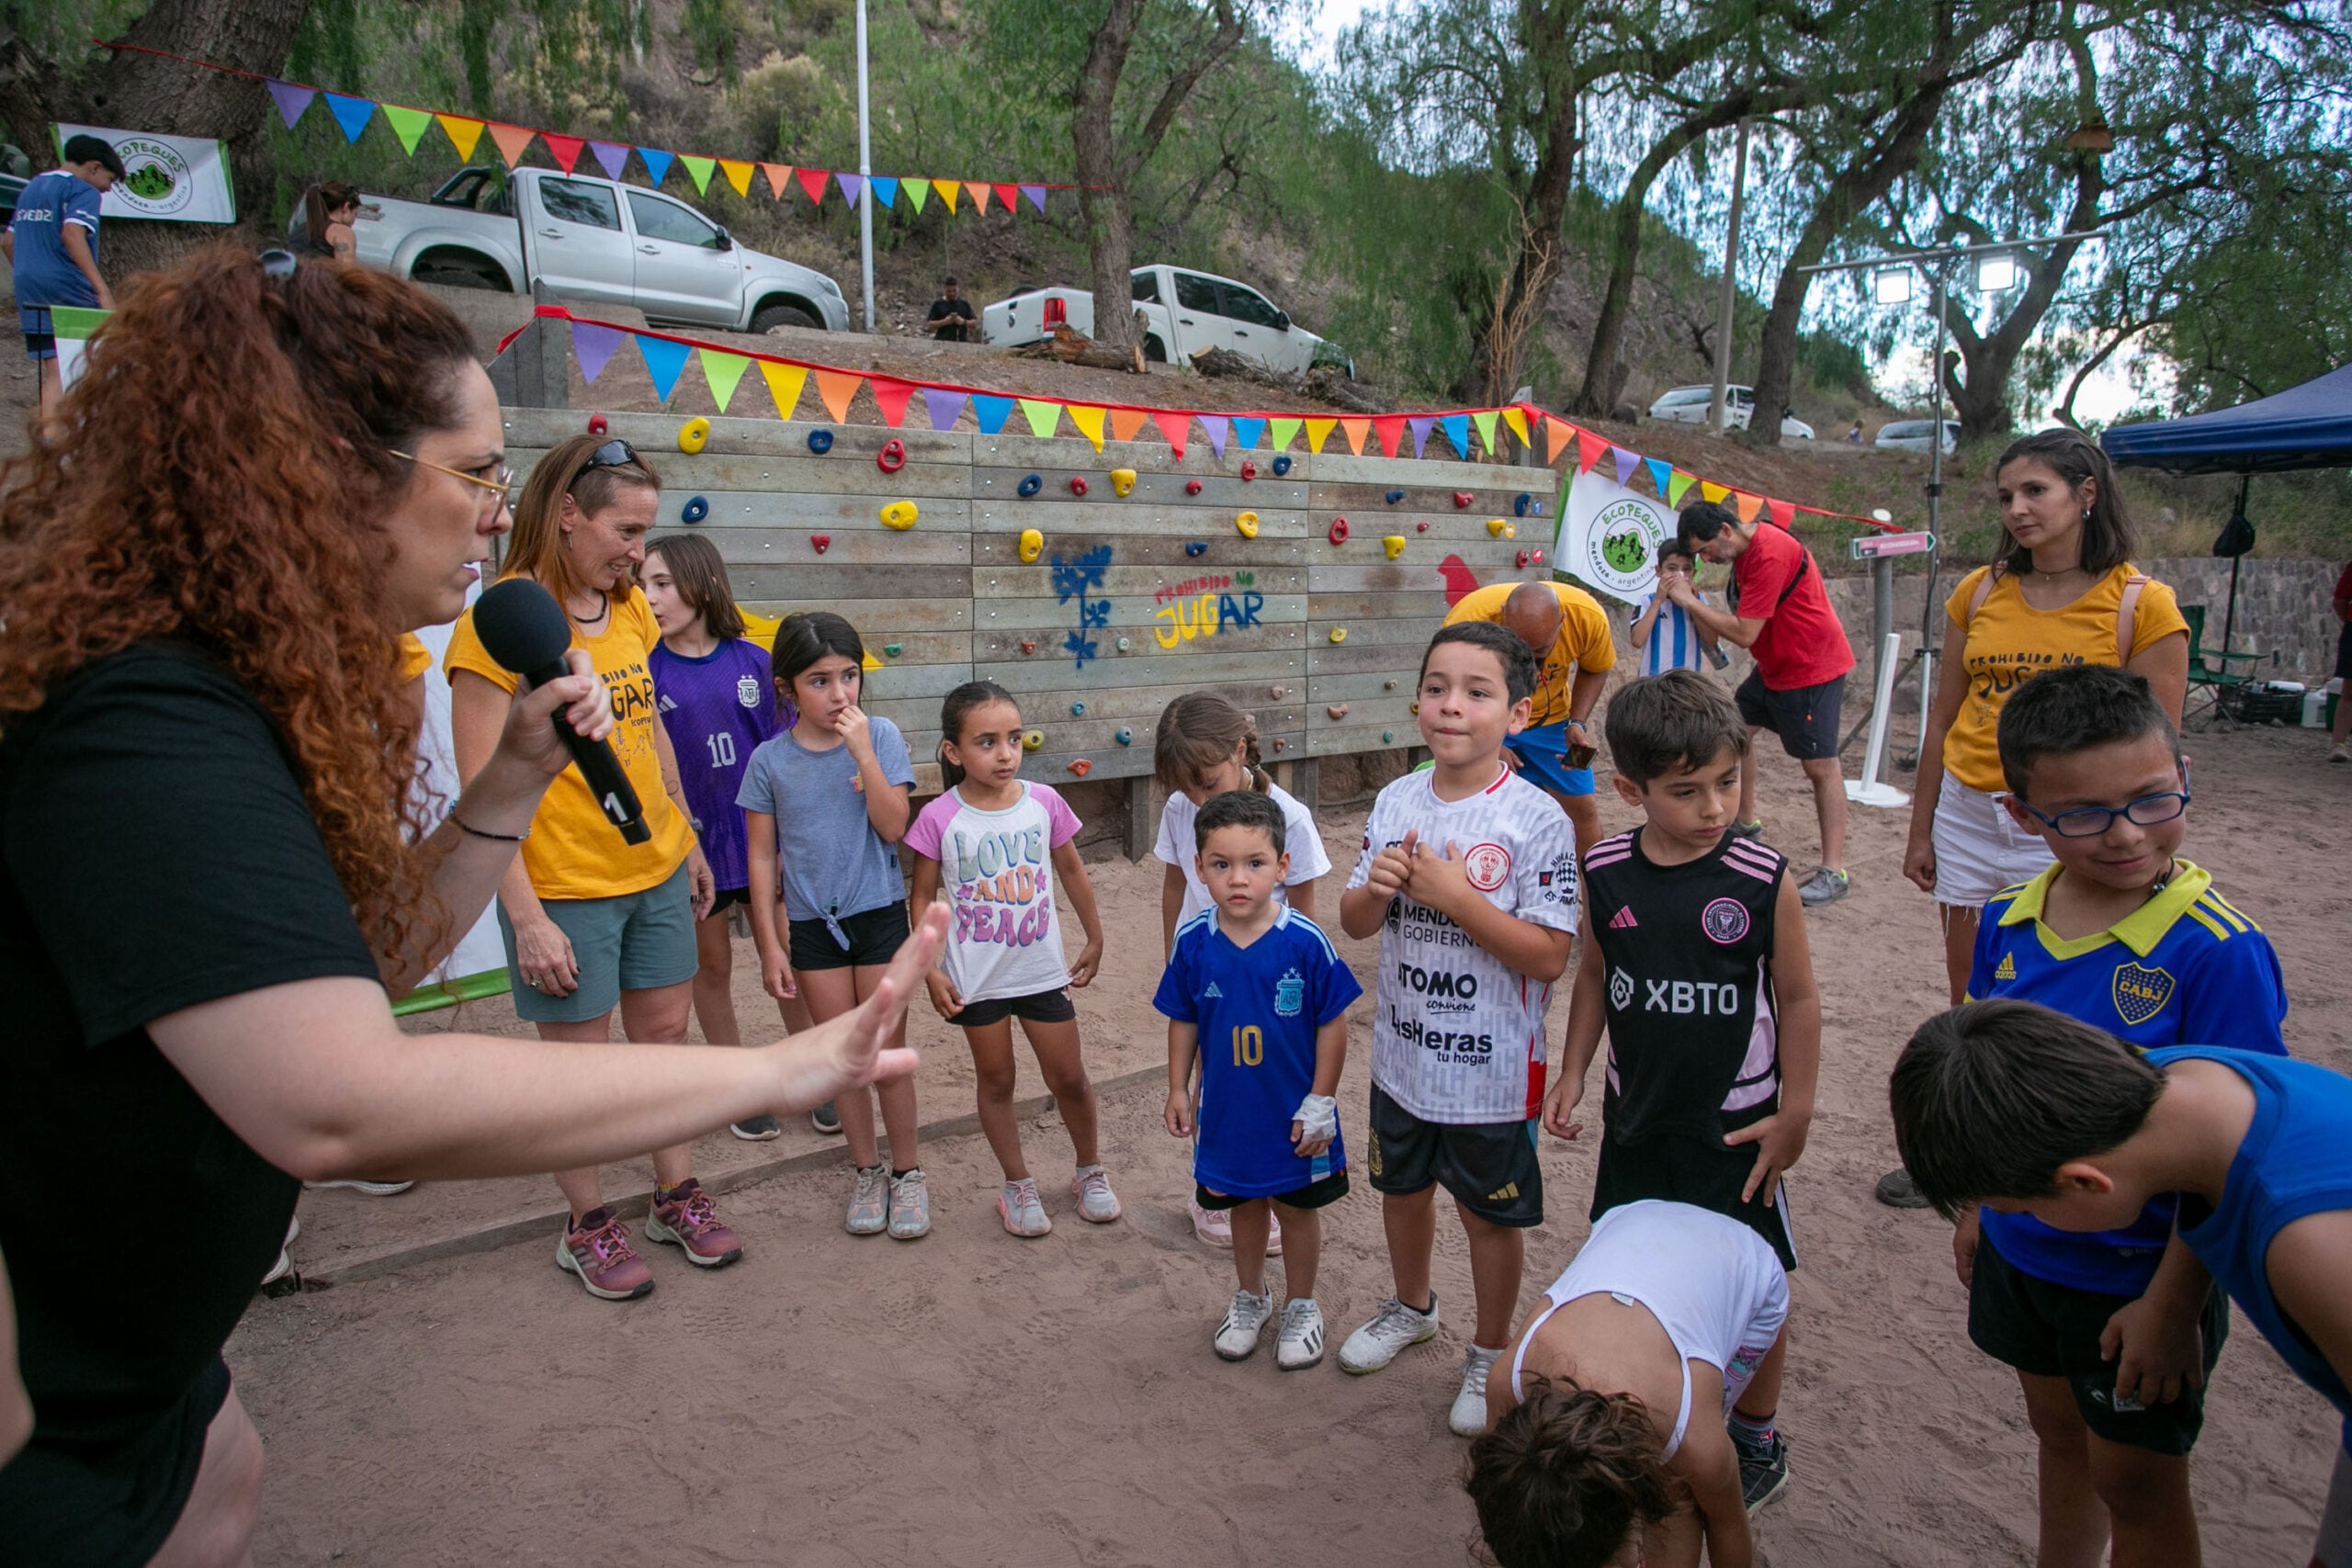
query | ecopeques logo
[1621, 546]
[157, 182]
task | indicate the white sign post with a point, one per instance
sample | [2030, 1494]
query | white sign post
[1869, 790]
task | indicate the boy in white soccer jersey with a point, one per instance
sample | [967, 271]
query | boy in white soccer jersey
[1469, 874]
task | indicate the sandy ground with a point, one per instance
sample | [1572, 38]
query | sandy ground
[974, 1399]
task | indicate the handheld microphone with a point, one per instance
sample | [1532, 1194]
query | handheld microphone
[524, 628]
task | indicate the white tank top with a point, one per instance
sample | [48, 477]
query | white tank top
[1713, 1285]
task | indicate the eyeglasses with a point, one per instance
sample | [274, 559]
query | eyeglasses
[612, 454]
[501, 484]
[2090, 821]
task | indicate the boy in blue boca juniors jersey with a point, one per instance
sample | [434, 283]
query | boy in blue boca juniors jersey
[2112, 1334]
[1255, 990]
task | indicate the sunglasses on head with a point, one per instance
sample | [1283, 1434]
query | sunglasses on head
[612, 454]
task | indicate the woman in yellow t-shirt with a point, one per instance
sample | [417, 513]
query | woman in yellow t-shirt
[592, 922]
[2064, 591]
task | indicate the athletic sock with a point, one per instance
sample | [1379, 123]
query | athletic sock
[1430, 1308]
[1753, 1432]
[897, 1175]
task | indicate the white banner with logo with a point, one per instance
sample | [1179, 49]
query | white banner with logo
[1609, 537]
[183, 179]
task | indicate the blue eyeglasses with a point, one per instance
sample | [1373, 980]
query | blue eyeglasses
[2090, 821]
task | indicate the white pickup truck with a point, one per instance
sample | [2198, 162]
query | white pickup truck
[1182, 312]
[592, 242]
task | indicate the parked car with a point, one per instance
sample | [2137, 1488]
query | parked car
[1913, 435]
[1689, 405]
[592, 242]
[1182, 312]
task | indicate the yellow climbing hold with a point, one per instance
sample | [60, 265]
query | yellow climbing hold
[1494, 526]
[1395, 544]
[1338, 634]
[1032, 740]
[1122, 481]
[1247, 524]
[899, 514]
[1033, 543]
[1510, 530]
[693, 434]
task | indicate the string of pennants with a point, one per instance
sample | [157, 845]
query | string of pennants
[595, 344]
[354, 115]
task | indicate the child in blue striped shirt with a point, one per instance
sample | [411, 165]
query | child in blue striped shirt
[1663, 634]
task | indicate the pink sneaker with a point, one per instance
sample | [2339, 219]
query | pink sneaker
[684, 1218]
[1216, 1227]
[597, 1249]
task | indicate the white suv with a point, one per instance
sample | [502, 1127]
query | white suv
[1687, 405]
[1912, 436]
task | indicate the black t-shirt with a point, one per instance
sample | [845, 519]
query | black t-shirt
[155, 852]
[942, 308]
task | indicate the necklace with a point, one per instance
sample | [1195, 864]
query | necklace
[606, 609]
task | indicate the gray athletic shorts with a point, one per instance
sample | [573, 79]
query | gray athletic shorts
[636, 941]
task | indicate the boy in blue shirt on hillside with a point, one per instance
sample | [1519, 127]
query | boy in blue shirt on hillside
[2113, 1334]
[52, 247]
[2028, 1112]
[1256, 991]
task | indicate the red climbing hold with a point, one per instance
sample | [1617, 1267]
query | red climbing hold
[1078, 484]
[1248, 469]
[596, 424]
[1422, 526]
[821, 541]
[1191, 486]
[1462, 499]
[1339, 530]
[893, 456]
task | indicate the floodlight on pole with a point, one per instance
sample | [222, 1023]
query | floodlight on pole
[1892, 287]
[1997, 272]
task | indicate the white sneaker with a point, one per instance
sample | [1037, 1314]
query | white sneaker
[910, 1206]
[2341, 753]
[869, 1203]
[1096, 1201]
[1245, 1320]
[1019, 1208]
[1299, 1343]
[1468, 1417]
[283, 1266]
[373, 1189]
[1393, 1327]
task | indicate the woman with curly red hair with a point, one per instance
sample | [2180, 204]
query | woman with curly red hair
[267, 474]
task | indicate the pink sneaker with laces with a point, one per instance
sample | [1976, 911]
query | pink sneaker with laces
[685, 1217]
[597, 1249]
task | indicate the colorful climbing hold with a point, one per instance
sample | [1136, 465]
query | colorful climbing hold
[1126, 737]
[1196, 546]
[1387, 736]
[894, 649]
[1080, 766]
[1519, 506]
[1248, 469]
[1395, 544]
[693, 511]
[1395, 496]
[1422, 526]
[893, 456]
[821, 442]
[1031, 484]
[1462, 500]
[1191, 486]
[1032, 545]
[597, 425]
[821, 541]
[693, 434]
[1123, 645]
[1339, 535]
[1078, 710]
[1338, 710]
[1122, 481]
[1078, 484]
[1246, 524]
[1032, 740]
[1276, 693]
[1028, 645]
[1338, 634]
[899, 514]
[1536, 554]
[1388, 686]
[1282, 464]
[1510, 530]
[1494, 526]
[1279, 743]
[1522, 561]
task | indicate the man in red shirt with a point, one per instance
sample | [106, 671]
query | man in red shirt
[1780, 613]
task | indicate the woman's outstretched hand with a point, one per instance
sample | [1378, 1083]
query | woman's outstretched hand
[853, 1050]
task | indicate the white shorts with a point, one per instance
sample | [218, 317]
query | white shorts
[1979, 849]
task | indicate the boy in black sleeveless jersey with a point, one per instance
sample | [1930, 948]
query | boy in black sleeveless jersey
[1695, 960]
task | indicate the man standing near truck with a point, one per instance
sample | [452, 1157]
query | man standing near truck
[52, 248]
[951, 314]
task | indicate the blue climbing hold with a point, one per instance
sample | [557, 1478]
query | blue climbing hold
[821, 442]
[1078, 710]
[1125, 738]
[1282, 464]
[1196, 547]
[1031, 484]
[693, 511]
[1518, 508]
[1395, 496]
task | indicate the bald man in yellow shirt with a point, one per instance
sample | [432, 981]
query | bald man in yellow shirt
[1569, 632]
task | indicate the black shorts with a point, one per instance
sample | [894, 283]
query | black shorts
[1693, 1170]
[1804, 718]
[2052, 1331]
[1044, 1007]
[728, 897]
[86, 1510]
[1488, 1166]
[874, 938]
[41, 345]
[1313, 1195]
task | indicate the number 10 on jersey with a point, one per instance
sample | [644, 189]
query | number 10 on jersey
[1249, 1045]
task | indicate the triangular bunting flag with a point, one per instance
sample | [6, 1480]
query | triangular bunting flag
[1089, 422]
[1516, 417]
[1175, 426]
[779, 176]
[1005, 196]
[1749, 505]
[592, 344]
[1709, 490]
[665, 360]
[1484, 422]
[701, 169]
[739, 175]
[1281, 432]
[1555, 435]
[852, 184]
[463, 134]
[1661, 473]
[724, 372]
[813, 181]
[837, 387]
[1356, 430]
[1318, 431]
[1784, 512]
[943, 406]
[1126, 422]
[408, 124]
[292, 100]
[1044, 418]
[1457, 431]
[1676, 486]
[1422, 424]
[885, 190]
[611, 156]
[946, 189]
[1626, 463]
[1036, 194]
[916, 190]
[1390, 429]
[892, 394]
[514, 140]
[979, 195]
[991, 410]
[352, 114]
[784, 382]
[657, 163]
[1248, 433]
[564, 149]
[1214, 426]
[1588, 450]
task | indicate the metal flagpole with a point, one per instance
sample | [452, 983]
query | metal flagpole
[865, 175]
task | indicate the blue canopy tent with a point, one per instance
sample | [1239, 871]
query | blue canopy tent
[2307, 426]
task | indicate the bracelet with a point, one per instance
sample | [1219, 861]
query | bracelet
[477, 833]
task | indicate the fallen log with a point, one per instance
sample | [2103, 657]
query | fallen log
[1071, 348]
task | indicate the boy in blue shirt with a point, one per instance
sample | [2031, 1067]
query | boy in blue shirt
[1663, 632]
[1256, 991]
[2026, 1112]
[51, 246]
[2113, 1334]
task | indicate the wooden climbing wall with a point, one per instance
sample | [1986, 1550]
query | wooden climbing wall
[1131, 602]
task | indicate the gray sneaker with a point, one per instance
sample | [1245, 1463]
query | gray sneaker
[826, 1118]
[1897, 1190]
[1824, 887]
[756, 1129]
[1243, 1324]
[869, 1203]
[1393, 1327]
[910, 1206]
[1096, 1201]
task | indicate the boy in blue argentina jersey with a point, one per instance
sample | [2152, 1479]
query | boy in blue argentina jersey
[2023, 1110]
[2113, 1334]
[1255, 990]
